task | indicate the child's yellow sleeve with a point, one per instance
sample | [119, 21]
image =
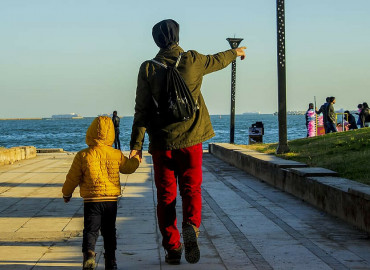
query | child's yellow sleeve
[73, 177]
[129, 166]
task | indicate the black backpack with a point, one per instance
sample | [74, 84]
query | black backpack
[178, 104]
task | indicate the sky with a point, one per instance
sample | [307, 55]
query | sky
[83, 56]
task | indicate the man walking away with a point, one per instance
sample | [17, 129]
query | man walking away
[116, 119]
[176, 147]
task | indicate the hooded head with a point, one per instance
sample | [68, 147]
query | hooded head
[100, 132]
[166, 33]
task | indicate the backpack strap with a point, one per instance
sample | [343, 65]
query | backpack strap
[159, 63]
[165, 66]
[178, 60]
[162, 65]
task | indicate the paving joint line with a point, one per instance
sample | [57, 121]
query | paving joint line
[307, 243]
[242, 241]
[13, 185]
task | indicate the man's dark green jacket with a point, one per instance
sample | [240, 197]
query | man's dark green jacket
[331, 113]
[152, 83]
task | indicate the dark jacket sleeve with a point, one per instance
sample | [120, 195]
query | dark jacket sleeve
[352, 122]
[142, 104]
[321, 110]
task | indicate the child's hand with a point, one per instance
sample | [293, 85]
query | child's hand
[67, 198]
[138, 154]
[137, 157]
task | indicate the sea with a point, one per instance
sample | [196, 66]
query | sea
[69, 134]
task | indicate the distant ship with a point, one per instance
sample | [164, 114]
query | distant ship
[251, 113]
[67, 116]
[292, 113]
[106, 114]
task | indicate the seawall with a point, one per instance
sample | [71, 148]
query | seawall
[340, 197]
[11, 155]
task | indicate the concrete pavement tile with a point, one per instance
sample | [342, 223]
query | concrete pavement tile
[138, 226]
[38, 224]
[61, 257]
[186, 266]
[11, 224]
[288, 254]
[37, 236]
[139, 256]
[74, 224]
[17, 266]
[129, 246]
[230, 253]
[134, 237]
[20, 257]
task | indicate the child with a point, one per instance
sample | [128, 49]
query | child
[96, 170]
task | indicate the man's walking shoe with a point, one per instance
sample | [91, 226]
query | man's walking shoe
[110, 261]
[190, 235]
[89, 260]
[173, 256]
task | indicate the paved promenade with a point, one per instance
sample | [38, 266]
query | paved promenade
[246, 223]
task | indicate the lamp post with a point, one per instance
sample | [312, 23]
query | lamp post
[281, 68]
[234, 43]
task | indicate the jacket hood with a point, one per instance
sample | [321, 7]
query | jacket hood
[101, 132]
[166, 33]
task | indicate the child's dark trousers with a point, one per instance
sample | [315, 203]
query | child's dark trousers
[100, 216]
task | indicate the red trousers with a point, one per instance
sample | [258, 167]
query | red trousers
[184, 165]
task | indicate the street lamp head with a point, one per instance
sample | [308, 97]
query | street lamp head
[234, 42]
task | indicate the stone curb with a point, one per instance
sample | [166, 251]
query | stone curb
[11, 155]
[49, 150]
[340, 197]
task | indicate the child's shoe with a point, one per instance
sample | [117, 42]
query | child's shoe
[110, 261]
[89, 260]
[190, 235]
[173, 256]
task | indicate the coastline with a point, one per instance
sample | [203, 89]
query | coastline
[31, 118]
[44, 118]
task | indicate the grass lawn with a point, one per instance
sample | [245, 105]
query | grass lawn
[347, 153]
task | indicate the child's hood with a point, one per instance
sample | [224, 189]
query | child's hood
[101, 132]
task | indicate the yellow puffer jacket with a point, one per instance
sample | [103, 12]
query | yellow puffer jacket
[96, 169]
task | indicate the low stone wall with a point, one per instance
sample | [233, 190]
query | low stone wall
[49, 150]
[11, 155]
[343, 198]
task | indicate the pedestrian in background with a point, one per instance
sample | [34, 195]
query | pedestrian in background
[310, 116]
[359, 122]
[350, 119]
[324, 110]
[331, 117]
[365, 115]
[116, 120]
